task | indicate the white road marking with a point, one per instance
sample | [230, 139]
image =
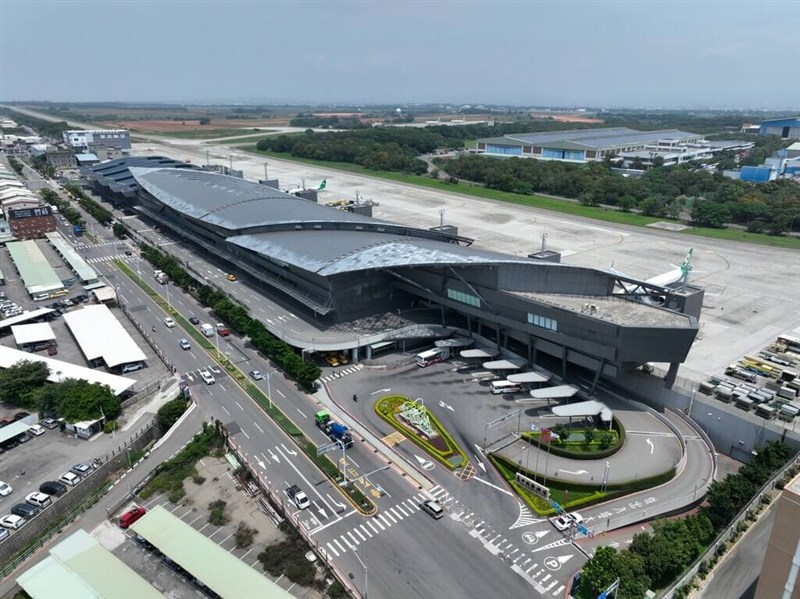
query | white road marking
[226, 410]
[278, 391]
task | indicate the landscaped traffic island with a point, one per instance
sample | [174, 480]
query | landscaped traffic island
[411, 418]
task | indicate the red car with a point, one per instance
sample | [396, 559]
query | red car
[131, 516]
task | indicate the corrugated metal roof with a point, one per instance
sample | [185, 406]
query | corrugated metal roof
[79, 567]
[223, 573]
[32, 265]
[82, 269]
[31, 333]
[100, 335]
[608, 137]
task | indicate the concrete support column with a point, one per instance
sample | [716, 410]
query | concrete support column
[497, 337]
[564, 351]
[469, 324]
[354, 355]
[532, 349]
[672, 374]
[368, 349]
[598, 373]
[444, 320]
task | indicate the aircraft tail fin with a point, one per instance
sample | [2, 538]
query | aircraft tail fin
[322, 185]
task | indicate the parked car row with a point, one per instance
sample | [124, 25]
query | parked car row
[9, 308]
[22, 513]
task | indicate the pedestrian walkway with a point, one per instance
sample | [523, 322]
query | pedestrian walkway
[106, 258]
[340, 373]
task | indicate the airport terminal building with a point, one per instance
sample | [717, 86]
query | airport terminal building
[337, 267]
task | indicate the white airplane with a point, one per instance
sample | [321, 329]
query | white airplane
[677, 274]
[436, 122]
[303, 187]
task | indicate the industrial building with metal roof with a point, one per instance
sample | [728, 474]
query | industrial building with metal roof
[334, 267]
[219, 570]
[101, 337]
[81, 568]
[586, 145]
[36, 272]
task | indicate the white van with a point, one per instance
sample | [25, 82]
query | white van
[40, 500]
[503, 387]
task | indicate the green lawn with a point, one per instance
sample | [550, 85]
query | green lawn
[534, 201]
[208, 133]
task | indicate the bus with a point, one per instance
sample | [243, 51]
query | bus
[503, 387]
[432, 356]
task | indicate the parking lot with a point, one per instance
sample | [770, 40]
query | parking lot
[66, 346]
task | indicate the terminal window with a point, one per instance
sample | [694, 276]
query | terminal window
[541, 321]
[464, 298]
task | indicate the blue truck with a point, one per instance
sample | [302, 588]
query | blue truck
[334, 430]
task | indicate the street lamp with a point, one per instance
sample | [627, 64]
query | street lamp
[364, 564]
[169, 305]
[265, 172]
[269, 388]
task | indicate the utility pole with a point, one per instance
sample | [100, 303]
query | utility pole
[265, 172]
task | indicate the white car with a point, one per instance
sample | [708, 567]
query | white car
[70, 478]
[13, 522]
[169, 322]
[566, 521]
[5, 489]
[36, 430]
[207, 377]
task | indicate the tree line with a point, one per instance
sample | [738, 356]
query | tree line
[25, 385]
[73, 216]
[46, 128]
[102, 215]
[654, 560]
[236, 316]
[665, 192]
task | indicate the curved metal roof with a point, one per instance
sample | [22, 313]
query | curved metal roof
[232, 203]
[331, 252]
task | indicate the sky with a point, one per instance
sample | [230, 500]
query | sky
[644, 54]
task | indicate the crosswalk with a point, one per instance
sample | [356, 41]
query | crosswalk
[84, 246]
[539, 575]
[381, 522]
[340, 373]
[106, 258]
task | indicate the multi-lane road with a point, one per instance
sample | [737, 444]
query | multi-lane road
[404, 549]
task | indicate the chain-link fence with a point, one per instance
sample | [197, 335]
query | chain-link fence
[55, 518]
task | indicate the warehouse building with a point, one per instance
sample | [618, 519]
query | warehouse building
[588, 145]
[109, 138]
[338, 267]
[786, 128]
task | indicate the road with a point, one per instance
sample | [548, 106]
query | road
[404, 542]
[484, 523]
[737, 576]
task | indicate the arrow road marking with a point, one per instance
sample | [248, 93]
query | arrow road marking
[444, 405]
[488, 484]
[380, 391]
[575, 472]
[261, 464]
[531, 538]
[652, 447]
[273, 456]
[334, 502]
[289, 451]
[480, 465]
[321, 512]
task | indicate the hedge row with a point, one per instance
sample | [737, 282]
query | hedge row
[103, 216]
[509, 468]
[391, 402]
[289, 427]
[236, 316]
[563, 451]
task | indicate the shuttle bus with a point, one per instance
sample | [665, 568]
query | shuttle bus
[503, 387]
